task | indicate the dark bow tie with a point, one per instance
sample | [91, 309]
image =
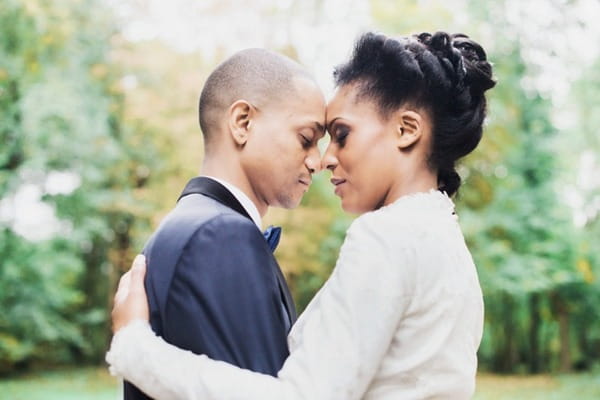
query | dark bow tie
[272, 236]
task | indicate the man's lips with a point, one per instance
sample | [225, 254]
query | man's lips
[305, 181]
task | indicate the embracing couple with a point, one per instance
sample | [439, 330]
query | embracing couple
[401, 316]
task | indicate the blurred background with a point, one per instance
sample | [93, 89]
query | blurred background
[98, 135]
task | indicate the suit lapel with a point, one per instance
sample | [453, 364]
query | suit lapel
[288, 302]
[213, 189]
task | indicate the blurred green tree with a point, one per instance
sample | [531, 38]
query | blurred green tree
[63, 140]
[526, 246]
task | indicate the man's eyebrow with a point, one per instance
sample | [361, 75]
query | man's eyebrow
[319, 128]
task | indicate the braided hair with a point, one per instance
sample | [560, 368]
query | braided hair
[447, 75]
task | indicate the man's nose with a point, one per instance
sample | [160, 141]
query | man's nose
[313, 160]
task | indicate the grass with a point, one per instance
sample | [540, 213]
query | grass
[73, 384]
[582, 386]
[97, 384]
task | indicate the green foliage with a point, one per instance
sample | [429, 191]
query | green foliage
[535, 277]
[39, 296]
[61, 114]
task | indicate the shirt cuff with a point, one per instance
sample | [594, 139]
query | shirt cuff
[121, 353]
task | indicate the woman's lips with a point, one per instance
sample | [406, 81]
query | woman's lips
[337, 182]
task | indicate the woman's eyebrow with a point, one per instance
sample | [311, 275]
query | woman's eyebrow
[331, 123]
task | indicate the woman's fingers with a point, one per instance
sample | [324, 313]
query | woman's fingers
[123, 288]
[130, 300]
[138, 272]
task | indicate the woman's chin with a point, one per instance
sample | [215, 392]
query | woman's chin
[352, 207]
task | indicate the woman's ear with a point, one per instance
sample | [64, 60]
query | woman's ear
[409, 128]
[239, 121]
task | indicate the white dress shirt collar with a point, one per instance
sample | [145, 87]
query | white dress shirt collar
[244, 200]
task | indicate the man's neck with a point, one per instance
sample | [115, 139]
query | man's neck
[234, 176]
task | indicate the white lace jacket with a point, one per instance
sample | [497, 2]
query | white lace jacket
[400, 317]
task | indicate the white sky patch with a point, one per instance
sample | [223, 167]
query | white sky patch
[62, 182]
[559, 41]
[587, 180]
[321, 31]
[27, 215]
[129, 82]
[577, 195]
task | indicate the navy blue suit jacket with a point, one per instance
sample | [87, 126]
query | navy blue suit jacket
[213, 284]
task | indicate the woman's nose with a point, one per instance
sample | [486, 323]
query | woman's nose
[329, 159]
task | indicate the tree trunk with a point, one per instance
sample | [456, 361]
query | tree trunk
[565, 347]
[534, 333]
[506, 353]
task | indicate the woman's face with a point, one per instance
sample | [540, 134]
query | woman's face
[362, 154]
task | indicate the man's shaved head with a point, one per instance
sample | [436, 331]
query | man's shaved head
[258, 76]
[262, 115]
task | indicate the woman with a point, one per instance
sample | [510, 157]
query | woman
[401, 315]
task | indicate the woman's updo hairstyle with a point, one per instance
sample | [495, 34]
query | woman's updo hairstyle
[447, 75]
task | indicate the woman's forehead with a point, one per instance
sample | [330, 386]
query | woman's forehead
[348, 101]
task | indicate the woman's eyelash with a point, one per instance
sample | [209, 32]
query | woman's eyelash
[341, 133]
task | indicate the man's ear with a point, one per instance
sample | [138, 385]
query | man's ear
[239, 121]
[409, 128]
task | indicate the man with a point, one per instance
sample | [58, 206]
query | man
[213, 284]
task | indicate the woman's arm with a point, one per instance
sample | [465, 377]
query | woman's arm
[338, 344]
[166, 372]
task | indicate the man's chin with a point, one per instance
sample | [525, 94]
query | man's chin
[290, 202]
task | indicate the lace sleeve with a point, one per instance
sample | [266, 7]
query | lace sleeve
[165, 372]
[137, 355]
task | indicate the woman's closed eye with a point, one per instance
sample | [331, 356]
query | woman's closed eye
[340, 133]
